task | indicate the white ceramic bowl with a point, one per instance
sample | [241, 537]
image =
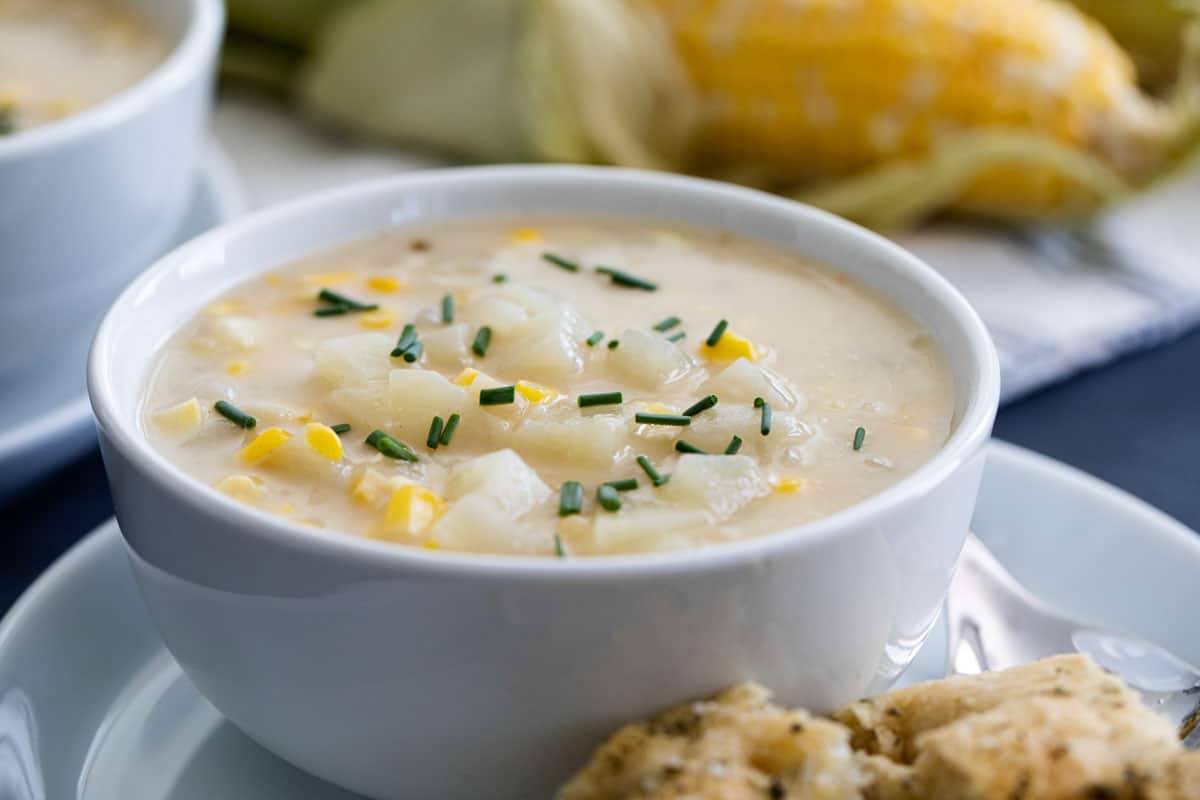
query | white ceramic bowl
[87, 202]
[398, 672]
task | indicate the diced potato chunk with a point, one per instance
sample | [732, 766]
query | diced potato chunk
[502, 476]
[476, 523]
[363, 407]
[722, 484]
[742, 381]
[183, 420]
[509, 309]
[369, 486]
[416, 396]
[645, 528]
[447, 346]
[712, 430]
[598, 440]
[230, 334]
[353, 361]
[648, 360]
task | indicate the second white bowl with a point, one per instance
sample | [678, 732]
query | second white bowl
[89, 201]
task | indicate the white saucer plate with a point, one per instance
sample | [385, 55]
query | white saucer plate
[93, 707]
[45, 418]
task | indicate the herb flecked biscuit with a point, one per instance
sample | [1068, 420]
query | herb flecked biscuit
[736, 746]
[888, 725]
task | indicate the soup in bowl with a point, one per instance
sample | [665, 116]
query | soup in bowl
[424, 467]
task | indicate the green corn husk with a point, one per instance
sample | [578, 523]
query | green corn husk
[594, 81]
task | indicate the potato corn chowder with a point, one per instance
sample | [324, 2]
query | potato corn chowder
[555, 386]
[58, 57]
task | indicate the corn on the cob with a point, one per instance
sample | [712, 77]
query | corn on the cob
[1011, 107]
[885, 110]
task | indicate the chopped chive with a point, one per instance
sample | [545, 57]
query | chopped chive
[667, 324]
[235, 415]
[448, 308]
[570, 498]
[703, 404]
[559, 261]
[435, 433]
[340, 428]
[614, 344]
[594, 339]
[600, 399]
[414, 352]
[558, 547]
[8, 120]
[860, 436]
[608, 497]
[335, 299]
[482, 339]
[675, 337]
[717, 333]
[392, 448]
[688, 447]
[621, 278]
[735, 444]
[499, 396]
[499, 277]
[451, 427]
[623, 485]
[656, 477]
[645, 418]
[765, 426]
[332, 311]
[408, 337]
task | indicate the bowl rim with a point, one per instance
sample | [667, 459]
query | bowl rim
[965, 443]
[198, 46]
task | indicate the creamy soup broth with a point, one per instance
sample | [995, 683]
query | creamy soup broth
[58, 57]
[858, 393]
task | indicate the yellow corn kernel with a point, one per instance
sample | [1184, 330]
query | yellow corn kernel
[225, 308]
[263, 445]
[385, 284]
[535, 392]
[659, 408]
[242, 488]
[789, 485]
[467, 376]
[274, 279]
[323, 441]
[63, 106]
[236, 368]
[284, 509]
[430, 544]
[304, 416]
[323, 279]
[411, 510]
[526, 235]
[729, 347]
[186, 417]
[377, 320]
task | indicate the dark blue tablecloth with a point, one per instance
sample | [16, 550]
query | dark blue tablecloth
[1135, 423]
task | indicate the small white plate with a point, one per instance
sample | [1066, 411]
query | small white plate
[45, 419]
[92, 706]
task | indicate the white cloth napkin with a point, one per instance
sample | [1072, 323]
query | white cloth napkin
[1056, 302]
